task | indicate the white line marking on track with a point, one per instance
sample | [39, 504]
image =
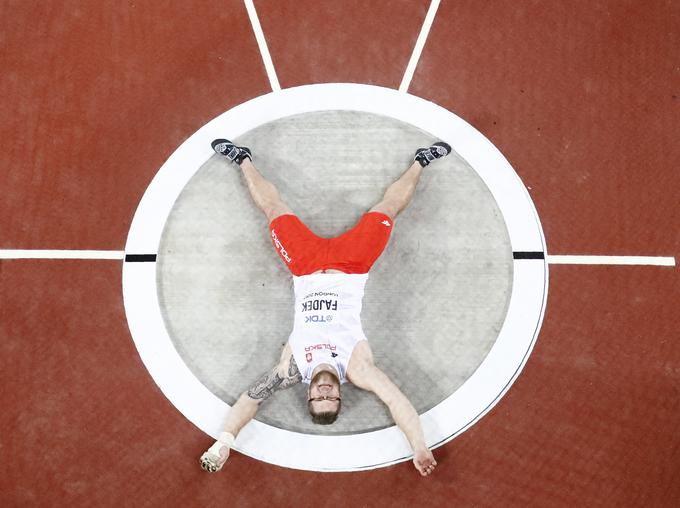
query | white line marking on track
[552, 259]
[62, 254]
[420, 44]
[611, 260]
[262, 43]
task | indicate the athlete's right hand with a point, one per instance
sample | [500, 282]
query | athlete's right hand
[213, 460]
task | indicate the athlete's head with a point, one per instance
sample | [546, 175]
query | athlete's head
[323, 400]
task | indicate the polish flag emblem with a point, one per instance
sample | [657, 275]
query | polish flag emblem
[309, 357]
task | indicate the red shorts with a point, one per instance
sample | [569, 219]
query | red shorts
[354, 251]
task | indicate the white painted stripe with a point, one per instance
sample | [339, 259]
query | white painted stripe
[62, 254]
[420, 44]
[611, 260]
[262, 43]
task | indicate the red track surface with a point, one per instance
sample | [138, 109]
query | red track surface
[582, 97]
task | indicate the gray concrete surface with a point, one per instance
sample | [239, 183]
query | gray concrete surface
[434, 301]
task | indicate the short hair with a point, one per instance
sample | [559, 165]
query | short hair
[324, 417]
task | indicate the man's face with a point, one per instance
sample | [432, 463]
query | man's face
[324, 384]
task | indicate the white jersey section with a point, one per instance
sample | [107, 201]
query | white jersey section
[327, 321]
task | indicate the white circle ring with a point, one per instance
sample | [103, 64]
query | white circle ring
[366, 450]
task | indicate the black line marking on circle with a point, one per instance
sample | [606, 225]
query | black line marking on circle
[528, 255]
[140, 258]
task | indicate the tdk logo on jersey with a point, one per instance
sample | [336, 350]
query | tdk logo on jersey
[318, 319]
[334, 355]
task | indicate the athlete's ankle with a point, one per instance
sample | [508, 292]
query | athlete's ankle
[245, 163]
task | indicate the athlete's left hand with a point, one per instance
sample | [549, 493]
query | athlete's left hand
[424, 461]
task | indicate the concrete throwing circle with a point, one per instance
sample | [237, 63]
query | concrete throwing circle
[434, 301]
[146, 298]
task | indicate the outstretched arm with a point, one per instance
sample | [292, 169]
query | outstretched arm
[283, 375]
[405, 416]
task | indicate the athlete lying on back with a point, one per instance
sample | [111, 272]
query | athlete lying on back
[327, 346]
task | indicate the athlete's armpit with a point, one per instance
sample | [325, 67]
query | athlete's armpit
[275, 380]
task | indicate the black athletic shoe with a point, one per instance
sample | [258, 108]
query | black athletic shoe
[232, 152]
[426, 155]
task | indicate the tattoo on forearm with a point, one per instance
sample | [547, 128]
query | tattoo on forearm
[293, 371]
[272, 382]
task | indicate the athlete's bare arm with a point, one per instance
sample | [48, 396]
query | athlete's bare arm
[284, 375]
[362, 372]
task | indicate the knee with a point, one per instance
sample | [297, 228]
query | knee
[276, 209]
[389, 207]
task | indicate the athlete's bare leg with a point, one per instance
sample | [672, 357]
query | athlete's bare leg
[263, 192]
[400, 193]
